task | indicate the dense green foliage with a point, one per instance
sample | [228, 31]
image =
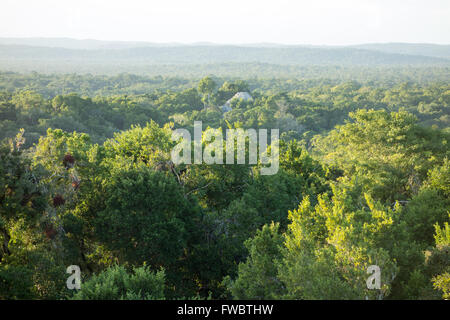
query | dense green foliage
[116, 283]
[87, 179]
[300, 109]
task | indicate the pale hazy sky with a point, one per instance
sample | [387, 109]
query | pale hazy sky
[334, 22]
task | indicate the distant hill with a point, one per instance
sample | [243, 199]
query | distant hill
[69, 55]
[221, 54]
[85, 44]
[422, 49]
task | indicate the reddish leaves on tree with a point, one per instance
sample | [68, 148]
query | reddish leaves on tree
[50, 232]
[75, 184]
[58, 200]
[68, 161]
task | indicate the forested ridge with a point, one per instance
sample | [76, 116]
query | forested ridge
[358, 62]
[364, 179]
[196, 54]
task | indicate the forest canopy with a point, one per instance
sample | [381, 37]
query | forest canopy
[87, 179]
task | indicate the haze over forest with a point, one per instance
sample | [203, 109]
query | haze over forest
[361, 146]
[60, 55]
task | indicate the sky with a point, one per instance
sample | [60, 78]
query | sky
[315, 22]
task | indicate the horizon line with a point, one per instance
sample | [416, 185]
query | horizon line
[211, 43]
